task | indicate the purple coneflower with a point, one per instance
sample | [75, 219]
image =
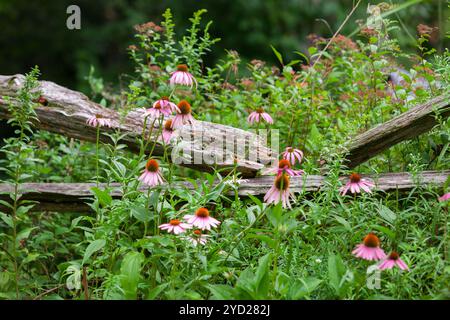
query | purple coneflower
[99, 120]
[175, 226]
[284, 166]
[198, 238]
[279, 191]
[151, 175]
[201, 219]
[369, 249]
[292, 155]
[167, 131]
[356, 184]
[393, 260]
[166, 103]
[182, 76]
[445, 197]
[183, 115]
[258, 116]
[161, 107]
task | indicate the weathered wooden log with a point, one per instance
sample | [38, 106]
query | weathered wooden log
[68, 110]
[72, 196]
[407, 125]
[201, 148]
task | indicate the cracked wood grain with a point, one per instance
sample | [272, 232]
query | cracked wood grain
[68, 110]
[64, 197]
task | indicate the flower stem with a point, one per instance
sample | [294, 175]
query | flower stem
[97, 155]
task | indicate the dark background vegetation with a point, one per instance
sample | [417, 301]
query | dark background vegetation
[35, 33]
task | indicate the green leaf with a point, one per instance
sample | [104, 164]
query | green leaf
[387, 214]
[250, 215]
[6, 204]
[386, 231]
[246, 283]
[121, 168]
[303, 287]
[312, 50]
[268, 240]
[304, 56]
[336, 271]
[7, 219]
[94, 246]
[293, 62]
[30, 258]
[23, 209]
[130, 274]
[255, 200]
[153, 293]
[343, 222]
[315, 140]
[279, 57]
[275, 215]
[262, 277]
[103, 196]
[153, 201]
[25, 233]
[221, 291]
[141, 213]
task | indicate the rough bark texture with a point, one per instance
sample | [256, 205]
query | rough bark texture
[203, 143]
[71, 196]
[201, 147]
[408, 125]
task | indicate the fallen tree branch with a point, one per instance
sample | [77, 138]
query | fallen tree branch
[65, 197]
[203, 149]
[67, 112]
[410, 124]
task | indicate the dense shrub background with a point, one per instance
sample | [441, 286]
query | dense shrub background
[259, 251]
[35, 33]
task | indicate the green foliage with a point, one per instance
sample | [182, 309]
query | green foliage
[258, 251]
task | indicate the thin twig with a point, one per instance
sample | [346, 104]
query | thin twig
[48, 291]
[331, 40]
